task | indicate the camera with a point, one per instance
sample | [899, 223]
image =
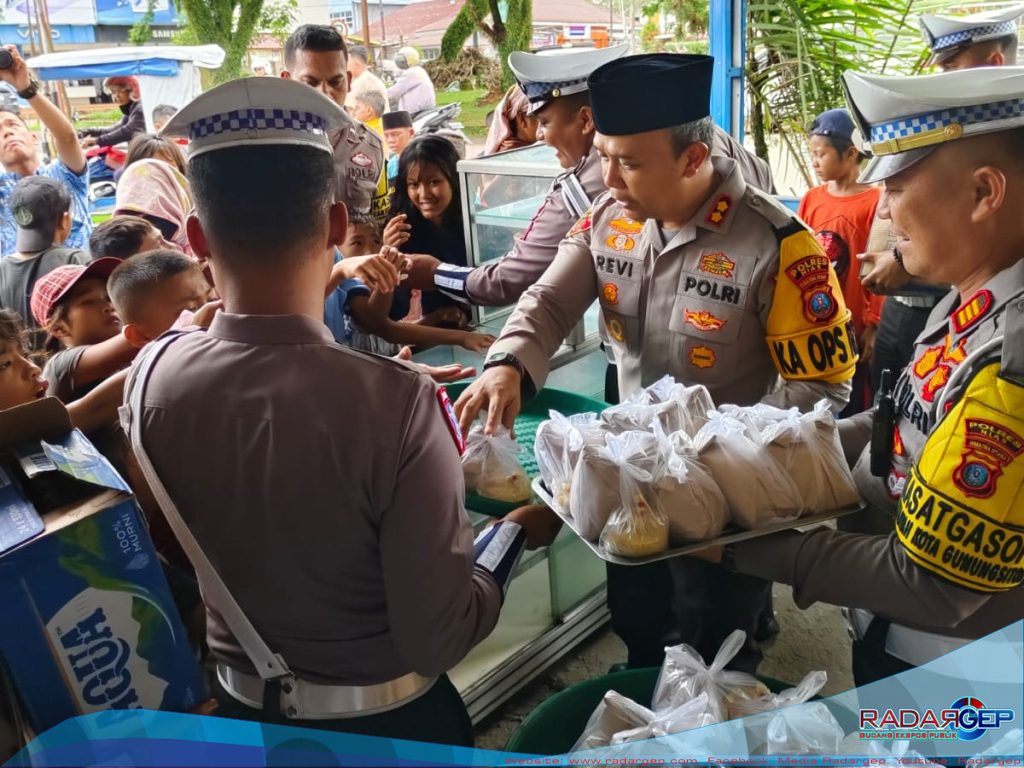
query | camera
[6, 60]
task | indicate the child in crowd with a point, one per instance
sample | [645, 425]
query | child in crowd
[840, 213]
[426, 214]
[372, 329]
[21, 380]
[152, 290]
[124, 236]
[41, 209]
[85, 340]
[161, 114]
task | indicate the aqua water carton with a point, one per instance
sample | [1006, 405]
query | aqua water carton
[87, 622]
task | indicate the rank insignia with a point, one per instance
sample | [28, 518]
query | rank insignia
[610, 292]
[703, 320]
[717, 264]
[719, 208]
[703, 357]
[972, 311]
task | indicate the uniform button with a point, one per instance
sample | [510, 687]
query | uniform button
[756, 201]
[1020, 306]
[291, 711]
[286, 688]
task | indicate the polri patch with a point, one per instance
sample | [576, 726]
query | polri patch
[449, 416]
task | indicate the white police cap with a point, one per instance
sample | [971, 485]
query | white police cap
[947, 35]
[544, 77]
[256, 111]
[906, 118]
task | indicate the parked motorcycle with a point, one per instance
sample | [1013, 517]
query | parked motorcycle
[441, 121]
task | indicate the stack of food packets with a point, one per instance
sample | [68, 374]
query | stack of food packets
[689, 694]
[665, 468]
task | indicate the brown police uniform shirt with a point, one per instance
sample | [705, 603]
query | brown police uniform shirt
[868, 567]
[326, 488]
[359, 169]
[502, 282]
[694, 307]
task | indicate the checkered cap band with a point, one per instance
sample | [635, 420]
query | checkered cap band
[50, 287]
[959, 38]
[241, 120]
[544, 91]
[964, 116]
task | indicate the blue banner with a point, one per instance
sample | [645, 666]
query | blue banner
[127, 12]
[961, 709]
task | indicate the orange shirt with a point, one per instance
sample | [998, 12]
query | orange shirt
[841, 225]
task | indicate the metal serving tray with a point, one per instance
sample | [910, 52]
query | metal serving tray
[731, 535]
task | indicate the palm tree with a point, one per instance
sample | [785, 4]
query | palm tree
[797, 51]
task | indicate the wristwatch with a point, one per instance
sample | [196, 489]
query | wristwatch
[32, 90]
[527, 387]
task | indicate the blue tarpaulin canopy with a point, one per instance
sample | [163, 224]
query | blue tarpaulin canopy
[98, 63]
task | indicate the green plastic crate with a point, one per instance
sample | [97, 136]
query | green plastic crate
[534, 412]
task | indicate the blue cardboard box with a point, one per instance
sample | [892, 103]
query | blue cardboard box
[87, 622]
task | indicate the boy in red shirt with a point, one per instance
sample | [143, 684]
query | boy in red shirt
[840, 213]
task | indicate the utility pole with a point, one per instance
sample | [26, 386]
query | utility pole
[364, 6]
[31, 29]
[383, 34]
[46, 40]
[632, 26]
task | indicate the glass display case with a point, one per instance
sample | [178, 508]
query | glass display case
[500, 196]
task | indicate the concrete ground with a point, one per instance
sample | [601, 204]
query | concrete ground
[810, 640]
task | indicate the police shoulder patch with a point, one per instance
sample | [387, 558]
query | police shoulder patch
[972, 311]
[583, 224]
[449, 417]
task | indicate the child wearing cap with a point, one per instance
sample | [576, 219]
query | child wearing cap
[123, 236]
[41, 208]
[151, 291]
[840, 212]
[85, 341]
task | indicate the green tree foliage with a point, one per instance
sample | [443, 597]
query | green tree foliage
[691, 16]
[142, 30]
[508, 24]
[797, 51]
[232, 24]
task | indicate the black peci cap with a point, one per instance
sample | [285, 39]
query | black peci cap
[398, 119]
[636, 94]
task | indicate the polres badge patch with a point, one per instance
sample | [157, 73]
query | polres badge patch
[449, 417]
[717, 264]
[621, 243]
[988, 448]
[361, 159]
[810, 274]
[626, 226]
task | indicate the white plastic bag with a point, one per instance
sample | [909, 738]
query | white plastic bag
[759, 415]
[557, 447]
[692, 501]
[491, 466]
[808, 447]
[595, 491]
[696, 713]
[806, 729]
[684, 677]
[693, 403]
[637, 526]
[807, 689]
[756, 488]
[613, 715]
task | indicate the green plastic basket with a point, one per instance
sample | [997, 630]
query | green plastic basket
[555, 726]
[534, 412]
